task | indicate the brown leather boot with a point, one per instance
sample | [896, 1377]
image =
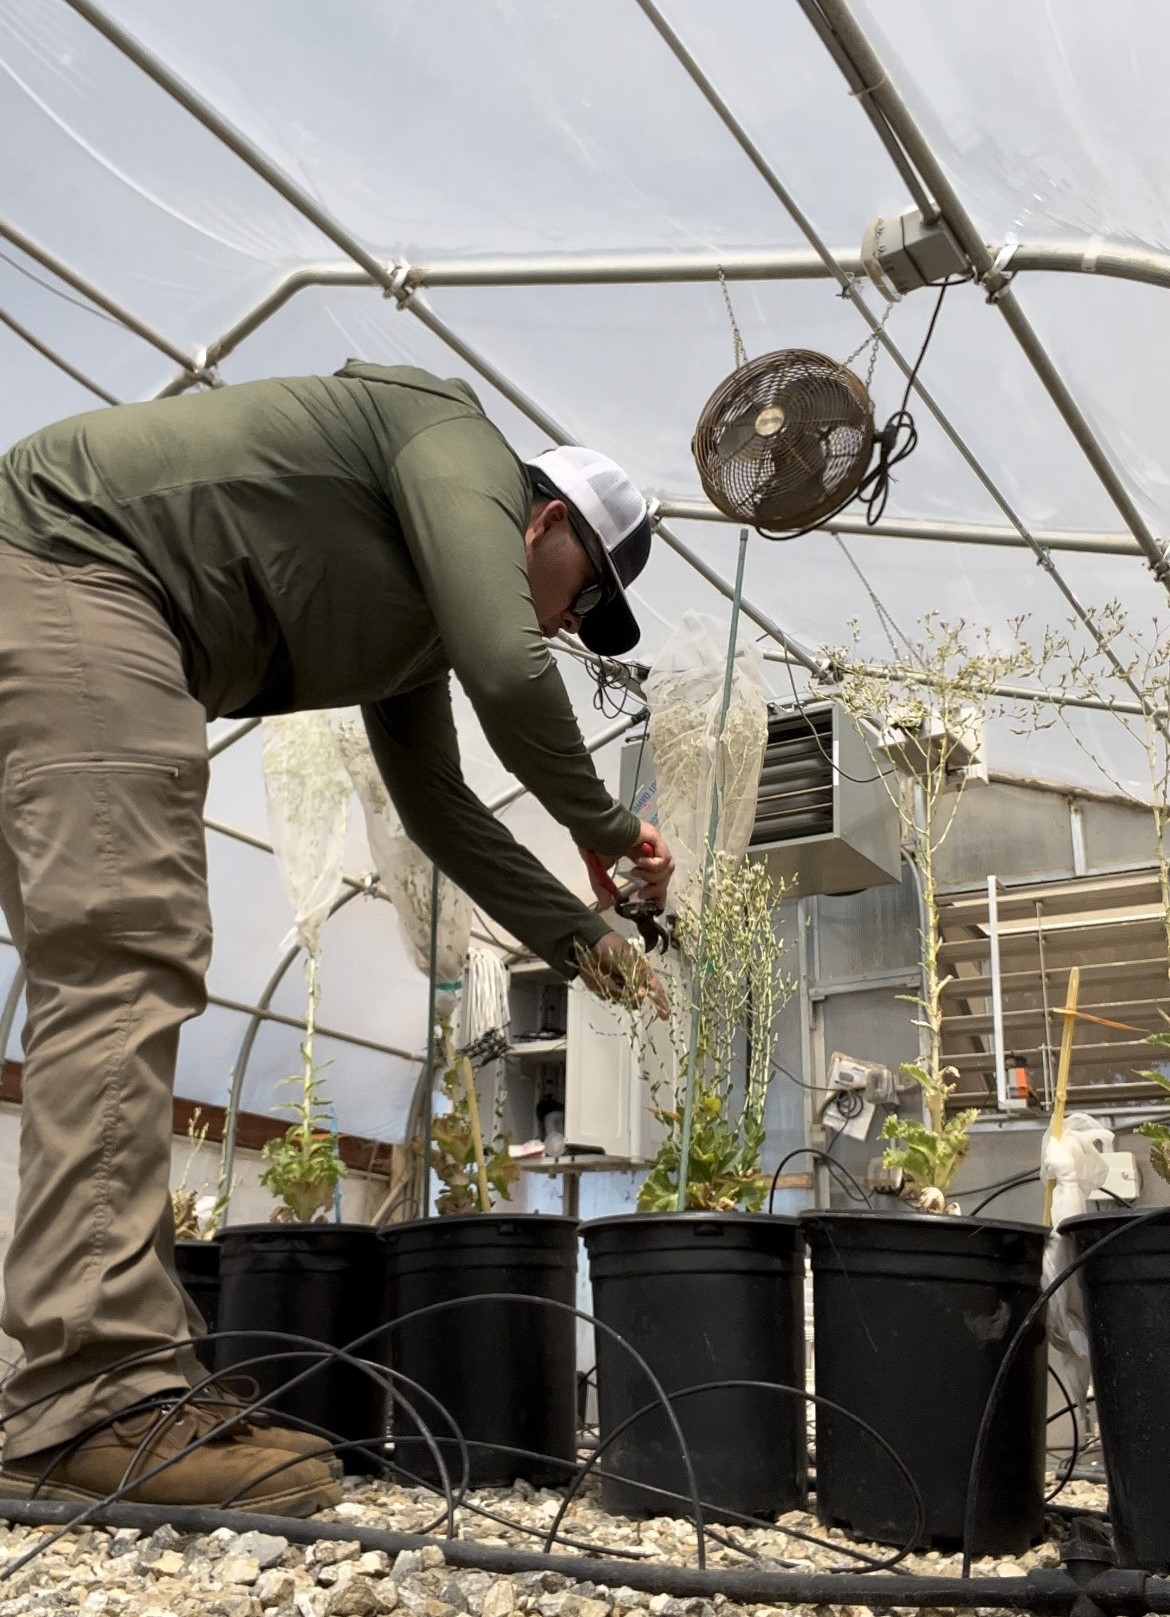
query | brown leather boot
[222, 1471]
[235, 1392]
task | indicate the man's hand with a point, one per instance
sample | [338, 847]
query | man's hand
[653, 864]
[653, 867]
[614, 968]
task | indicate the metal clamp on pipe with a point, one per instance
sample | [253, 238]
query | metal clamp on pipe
[403, 285]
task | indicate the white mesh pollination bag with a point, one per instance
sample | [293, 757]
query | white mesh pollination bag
[685, 694]
[308, 791]
[405, 871]
[1076, 1166]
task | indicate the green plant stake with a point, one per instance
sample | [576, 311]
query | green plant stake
[688, 1117]
[428, 1111]
[304, 1164]
[741, 989]
[467, 1170]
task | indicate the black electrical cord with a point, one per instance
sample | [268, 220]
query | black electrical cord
[762, 1386]
[894, 442]
[315, 1351]
[1069, 1409]
[1016, 1182]
[1001, 1189]
[899, 437]
[319, 1353]
[846, 1180]
[856, 780]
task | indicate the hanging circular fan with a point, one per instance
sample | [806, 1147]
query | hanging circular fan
[785, 441]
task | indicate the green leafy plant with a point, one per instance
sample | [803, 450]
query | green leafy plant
[1158, 1133]
[454, 1137]
[916, 714]
[728, 970]
[929, 1153]
[304, 1163]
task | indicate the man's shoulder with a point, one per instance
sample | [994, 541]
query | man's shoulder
[413, 378]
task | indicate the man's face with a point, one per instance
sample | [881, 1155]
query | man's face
[559, 568]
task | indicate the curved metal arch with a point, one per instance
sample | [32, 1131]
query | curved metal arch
[11, 1003]
[54, 358]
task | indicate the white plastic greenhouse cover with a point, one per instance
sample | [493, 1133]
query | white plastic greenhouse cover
[486, 143]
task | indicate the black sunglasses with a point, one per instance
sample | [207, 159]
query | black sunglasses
[593, 594]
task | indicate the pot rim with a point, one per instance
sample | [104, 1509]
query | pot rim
[932, 1220]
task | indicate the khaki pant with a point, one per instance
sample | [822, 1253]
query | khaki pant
[103, 771]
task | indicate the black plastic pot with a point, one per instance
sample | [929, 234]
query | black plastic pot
[1127, 1311]
[504, 1371]
[197, 1266]
[912, 1317]
[702, 1297]
[322, 1281]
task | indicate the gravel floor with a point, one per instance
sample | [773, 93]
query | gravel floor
[167, 1574]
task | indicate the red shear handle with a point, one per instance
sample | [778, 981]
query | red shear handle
[602, 881]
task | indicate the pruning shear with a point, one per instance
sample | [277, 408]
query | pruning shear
[641, 911]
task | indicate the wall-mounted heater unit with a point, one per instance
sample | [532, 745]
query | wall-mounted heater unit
[824, 820]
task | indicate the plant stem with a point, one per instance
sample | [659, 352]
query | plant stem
[307, 1106]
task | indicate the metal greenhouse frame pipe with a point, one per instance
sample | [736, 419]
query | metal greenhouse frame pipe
[55, 358]
[954, 213]
[1013, 693]
[234, 139]
[398, 283]
[94, 294]
[764, 169]
[959, 533]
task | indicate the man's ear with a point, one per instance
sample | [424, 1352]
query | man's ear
[546, 518]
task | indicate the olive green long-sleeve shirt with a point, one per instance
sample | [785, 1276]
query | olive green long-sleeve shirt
[325, 541]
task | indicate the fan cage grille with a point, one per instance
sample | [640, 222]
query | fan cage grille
[785, 441]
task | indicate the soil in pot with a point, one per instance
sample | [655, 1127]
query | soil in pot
[326, 1282]
[505, 1371]
[912, 1317]
[702, 1297]
[1127, 1311]
[197, 1266]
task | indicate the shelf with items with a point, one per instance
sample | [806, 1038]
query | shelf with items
[538, 1049]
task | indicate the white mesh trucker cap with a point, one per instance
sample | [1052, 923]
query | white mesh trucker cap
[600, 495]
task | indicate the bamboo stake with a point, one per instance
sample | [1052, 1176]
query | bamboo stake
[1062, 1070]
[476, 1135]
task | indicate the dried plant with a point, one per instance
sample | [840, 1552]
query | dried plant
[1140, 660]
[918, 708]
[197, 1215]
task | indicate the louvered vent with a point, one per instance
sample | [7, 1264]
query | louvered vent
[796, 782]
[824, 821]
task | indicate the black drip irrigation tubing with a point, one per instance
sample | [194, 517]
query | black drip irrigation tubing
[1114, 1591]
[589, 1465]
[974, 1477]
[320, 1354]
[1040, 1591]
